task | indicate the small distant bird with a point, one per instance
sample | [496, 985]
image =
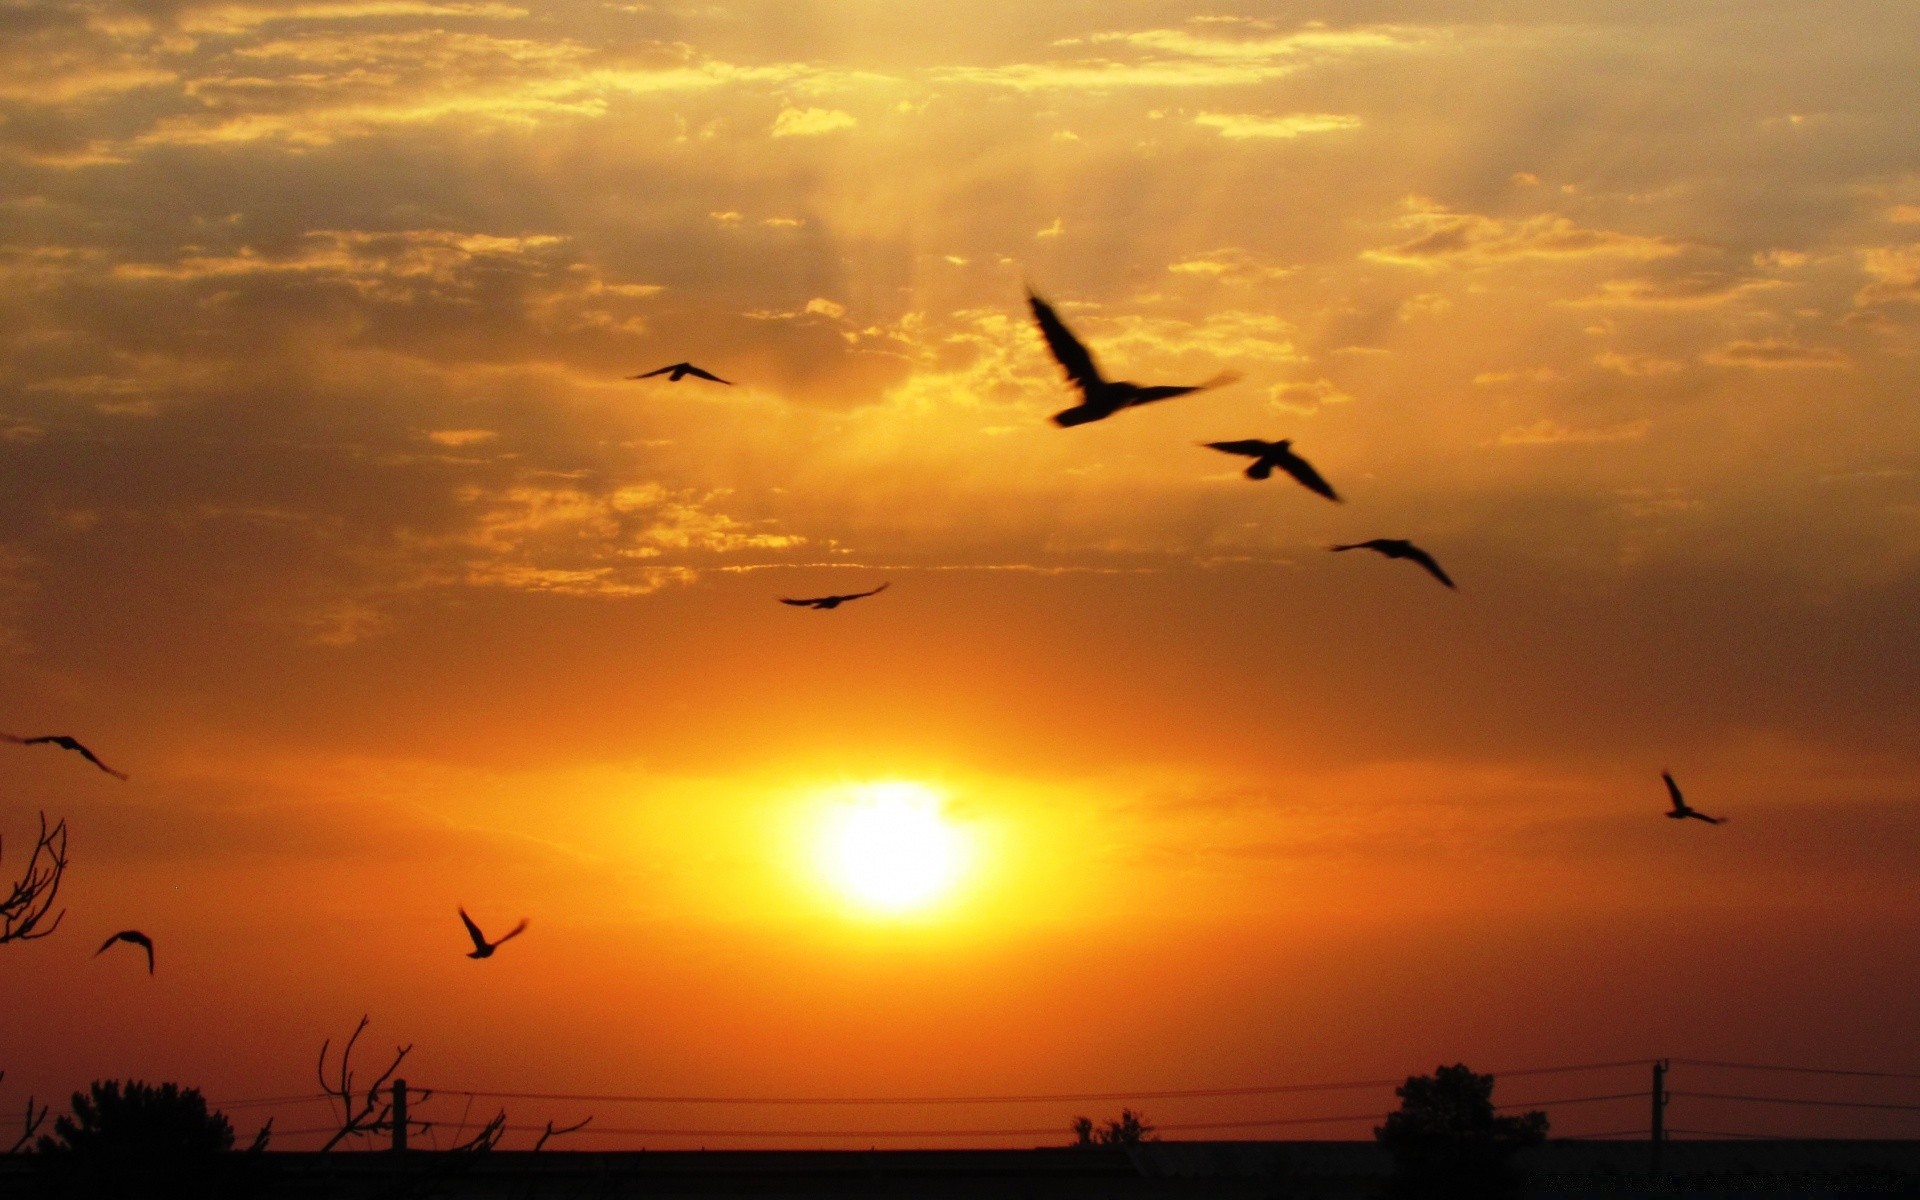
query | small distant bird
[681, 370]
[1401, 548]
[130, 935]
[1268, 455]
[482, 948]
[1100, 398]
[1681, 811]
[824, 602]
[65, 743]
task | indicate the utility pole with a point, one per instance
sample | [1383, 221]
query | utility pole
[1657, 1145]
[400, 1115]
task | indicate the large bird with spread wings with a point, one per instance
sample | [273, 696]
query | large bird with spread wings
[482, 948]
[675, 372]
[1268, 455]
[1099, 397]
[132, 937]
[1681, 809]
[826, 602]
[65, 743]
[1401, 548]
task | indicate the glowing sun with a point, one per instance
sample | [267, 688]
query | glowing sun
[890, 849]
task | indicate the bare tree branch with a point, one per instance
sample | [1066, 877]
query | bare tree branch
[29, 1125]
[486, 1138]
[31, 897]
[358, 1115]
[560, 1132]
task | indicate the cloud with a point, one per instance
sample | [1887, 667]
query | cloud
[1184, 58]
[811, 122]
[1637, 364]
[1702, 290]
[1896, 275]
[460, 437]
[1444, 238]
[1771, 353]
[1243, 126]
[1304, 396]
[1228, 265]
[1552, 433]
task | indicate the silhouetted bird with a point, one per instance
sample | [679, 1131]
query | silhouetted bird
[65, 743]
[482, 948]
[681, 370]
[1100, 399]
[1268, 455]
[834, 601]
[1401, 548]
[130, 935]
[1680, 809]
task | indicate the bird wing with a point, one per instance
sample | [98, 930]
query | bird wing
[94, 759]
[1673, 789]
[108, 943]
[1067, 350]
[1164, 391]
[515, 932]
[1251, 447]
[800, 603]
[473, 931]
[145, 943]
[1704, 817]
[1303, 471]
[696, 371]
[1426, 560]
[875, 592]
[651, 374]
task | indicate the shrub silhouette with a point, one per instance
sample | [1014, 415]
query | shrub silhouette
[135, 1139]
[1446, 1140]
[1128, 1129]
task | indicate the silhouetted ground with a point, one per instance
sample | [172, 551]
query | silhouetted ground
[1174, 1170]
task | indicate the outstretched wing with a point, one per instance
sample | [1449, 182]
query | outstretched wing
[473, 931]
[1251, 447]
[1700, 816]
[1071, 355]
[516, 931]
[1673, 790]
[1303, 471]
[106, 945]
[651, 374]
[66, 742]
[862, 595]
[800, 603]
[94, 759]
[1426, 560]
[697, 373]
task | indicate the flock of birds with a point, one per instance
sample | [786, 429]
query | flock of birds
[1100, 398]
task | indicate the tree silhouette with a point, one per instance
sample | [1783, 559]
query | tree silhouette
[1128, 1129]
[1447, 1141]
[135, 1139]
[30, 898]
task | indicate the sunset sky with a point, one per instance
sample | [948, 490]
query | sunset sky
[327, 514]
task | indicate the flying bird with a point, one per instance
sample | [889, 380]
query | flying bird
[482, 948]
[1099, 398]
[1681, 811]
[130, 935]
[65, 743]
[1268, 455]
[825, 602]
[1401, 548]
[681, 370]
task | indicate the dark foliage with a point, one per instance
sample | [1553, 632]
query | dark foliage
[1128, 1129]
[138, 1140]
[1448, 1142]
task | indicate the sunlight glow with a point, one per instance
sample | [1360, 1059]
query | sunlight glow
[890, 849]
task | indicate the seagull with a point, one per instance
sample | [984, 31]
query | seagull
[681, 370]
[130, 935]
[1401, 548]
[65, 743]
[1680, 809]
[1268, 455]
[482, 948]
[1099, 398]
[825, 602]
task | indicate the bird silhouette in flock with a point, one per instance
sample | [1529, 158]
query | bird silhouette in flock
[1401, 548]
[681, 370]
[825, 602]
[65, 743]
[1268, 455]
[482, 948]
[1681, 810]
[1100, 398]
[133, 936]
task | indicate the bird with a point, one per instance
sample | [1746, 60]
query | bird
[1268, 455]
[65, 743]
[1401, 548]
[681, 370]
[482, 948]
[1681, 811]
[825, 602]
[130, 935]
[1099, 398]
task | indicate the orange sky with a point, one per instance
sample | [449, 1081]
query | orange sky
[328, 515]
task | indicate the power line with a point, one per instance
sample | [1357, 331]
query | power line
[1742, 1066]
[1798, 1100]
[1576, 1100]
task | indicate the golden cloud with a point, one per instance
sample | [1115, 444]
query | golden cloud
[1772, 353]
[1896, 275]
[1552, 433]
[1445, 238]
[1240, 126]
[811, 122]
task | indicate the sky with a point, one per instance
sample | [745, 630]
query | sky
[328, 514]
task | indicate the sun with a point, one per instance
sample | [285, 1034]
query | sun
[890, 849]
